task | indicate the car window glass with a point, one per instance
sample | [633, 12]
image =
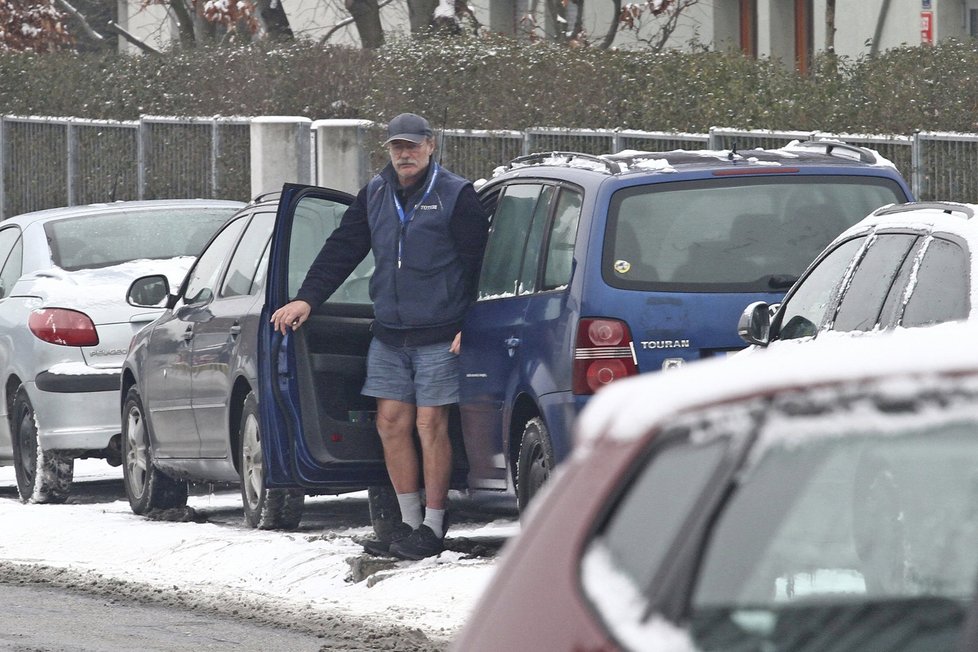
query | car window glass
[534, 241]
[941, 288]
[563, 237]
[116, 237]
[805, 310]
[262, 272]
[646, 518]
[314, 220]
[731, 234]
[507, 240]
[873, 525]
[240, 276]
[11, 254]
[871, 282]
[8, 237]
[202, 282]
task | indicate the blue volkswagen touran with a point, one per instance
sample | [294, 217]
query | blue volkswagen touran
[597, 267]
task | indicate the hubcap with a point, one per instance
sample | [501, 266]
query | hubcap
[137, 457]
[251, 468]
[539, 471]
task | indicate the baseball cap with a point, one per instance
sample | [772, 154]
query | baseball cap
[408, 126]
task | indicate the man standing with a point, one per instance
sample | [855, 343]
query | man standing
[427, 231]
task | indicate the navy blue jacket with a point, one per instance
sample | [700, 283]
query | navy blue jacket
[426, 271]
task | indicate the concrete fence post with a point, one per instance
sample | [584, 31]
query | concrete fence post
[280, 152]
[3, 170]
[342, 159]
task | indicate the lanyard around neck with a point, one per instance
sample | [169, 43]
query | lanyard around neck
[405, 218]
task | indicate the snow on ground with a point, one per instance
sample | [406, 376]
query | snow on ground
[310, 568]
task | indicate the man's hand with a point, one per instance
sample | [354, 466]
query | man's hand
[291, 315]
[456, 347]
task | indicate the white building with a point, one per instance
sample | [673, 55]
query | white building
[789, 30]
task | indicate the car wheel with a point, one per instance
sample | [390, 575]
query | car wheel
[42, 476]
[264, 508]
[385, 513]
[535, 463]
[147, 487]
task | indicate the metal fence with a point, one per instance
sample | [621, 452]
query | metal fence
[48, 162]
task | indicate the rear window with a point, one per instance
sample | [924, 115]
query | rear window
[732, 235]
[118, 237]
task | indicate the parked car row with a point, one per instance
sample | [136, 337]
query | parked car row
[596, 268]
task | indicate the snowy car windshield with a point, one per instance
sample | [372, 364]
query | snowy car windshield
[853, 506]
[723, 235]
[116, 237]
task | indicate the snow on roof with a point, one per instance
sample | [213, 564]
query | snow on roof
[923, 218]
[628, 408]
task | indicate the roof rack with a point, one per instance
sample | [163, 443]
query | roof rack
[829, 146]
[539, 158]
[944, 206]
[265, 196]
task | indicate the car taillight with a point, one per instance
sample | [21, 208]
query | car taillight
[64, 327]
[603, 354]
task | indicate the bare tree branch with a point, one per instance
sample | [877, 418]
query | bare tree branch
[609, 38]
[346, 21]
[142, 45]
[92, 34]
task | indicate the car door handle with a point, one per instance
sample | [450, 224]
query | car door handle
[189, 333]
[235, 329]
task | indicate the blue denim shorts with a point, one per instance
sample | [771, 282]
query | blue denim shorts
[426, 376]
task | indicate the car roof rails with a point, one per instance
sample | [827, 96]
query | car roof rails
[266, 196]
[547, 158]
[943, 206]
[836, 148]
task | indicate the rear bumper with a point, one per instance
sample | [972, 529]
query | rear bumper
[76, 420]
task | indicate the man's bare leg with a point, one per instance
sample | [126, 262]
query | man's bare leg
[436, 453]
[395, 424]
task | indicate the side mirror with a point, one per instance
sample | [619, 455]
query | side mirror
[149, 292]
[754, 326]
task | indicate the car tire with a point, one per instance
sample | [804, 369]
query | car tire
[42, 476]
[147, 487]
[264, 508]
[535, 463]
[385, 513]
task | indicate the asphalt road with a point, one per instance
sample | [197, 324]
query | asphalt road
[46, 618]
[48, 609]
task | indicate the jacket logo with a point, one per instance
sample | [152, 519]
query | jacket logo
[429, 207]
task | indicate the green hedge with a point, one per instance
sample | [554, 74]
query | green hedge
[497, 83]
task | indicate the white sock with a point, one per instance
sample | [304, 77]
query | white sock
[435, 518]
[410, 505]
